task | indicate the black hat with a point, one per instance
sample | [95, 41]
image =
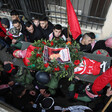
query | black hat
[42, 77]
[5, 21]
[47, 103]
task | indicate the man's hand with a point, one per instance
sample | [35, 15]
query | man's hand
[11, 83]
[109, 92]
[6, 37]
[7, 62]
[14, 41]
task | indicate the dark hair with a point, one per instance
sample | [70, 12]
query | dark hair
[28, 24]
[5, 21]
[35, 18]
[58, 27]
[14, 12]
[15, 21]
[43, 18]
[91, 35]
[18, 89]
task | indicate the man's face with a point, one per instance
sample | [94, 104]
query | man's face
[5, 26]
[87, 40]
[36, 22]
[57, 32]
[43, 24]
[30, 29]
[14, 17]
[17, 26]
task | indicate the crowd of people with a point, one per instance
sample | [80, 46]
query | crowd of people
[29, 90]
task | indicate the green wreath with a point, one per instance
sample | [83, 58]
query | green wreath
[54, 67]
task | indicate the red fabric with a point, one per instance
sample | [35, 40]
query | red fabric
[28, 55]
[72, 20]
[2, 28]
[3, 32]
[4, 86]
[98, 52]
[12, 67]
[76, 95]
[88, 66]
[102, 81]
[91, 95]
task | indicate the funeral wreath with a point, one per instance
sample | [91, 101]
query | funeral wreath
[48, 61]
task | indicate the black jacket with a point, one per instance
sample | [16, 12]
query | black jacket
[36, 35]
[47, 31]
[84, 48]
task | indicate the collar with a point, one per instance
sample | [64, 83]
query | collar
[80, 40]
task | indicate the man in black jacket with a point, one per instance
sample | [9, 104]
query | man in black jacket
[85, 41]
[46, 27]
[33, 33]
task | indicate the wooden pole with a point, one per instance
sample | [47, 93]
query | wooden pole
[108, 103]
[68, 31]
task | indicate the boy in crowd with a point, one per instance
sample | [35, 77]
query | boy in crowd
[5, 40]
[46, 27]
[15, 16]
[33, 33]
[36, 21]
[57, 33]
[21, 27]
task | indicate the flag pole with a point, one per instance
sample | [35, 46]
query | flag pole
[108, 103]
[68, 30]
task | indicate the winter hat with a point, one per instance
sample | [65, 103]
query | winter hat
[9, 68]
[47, 103]
[5, 21]
[101, 81]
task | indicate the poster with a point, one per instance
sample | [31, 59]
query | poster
[62, 55]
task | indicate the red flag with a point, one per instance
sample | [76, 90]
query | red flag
[72, 20]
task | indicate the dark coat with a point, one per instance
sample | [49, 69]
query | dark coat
[84, 48]
[36, 35]
[47, 31]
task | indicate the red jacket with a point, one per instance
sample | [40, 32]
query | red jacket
[101, 81]
[3, 32]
